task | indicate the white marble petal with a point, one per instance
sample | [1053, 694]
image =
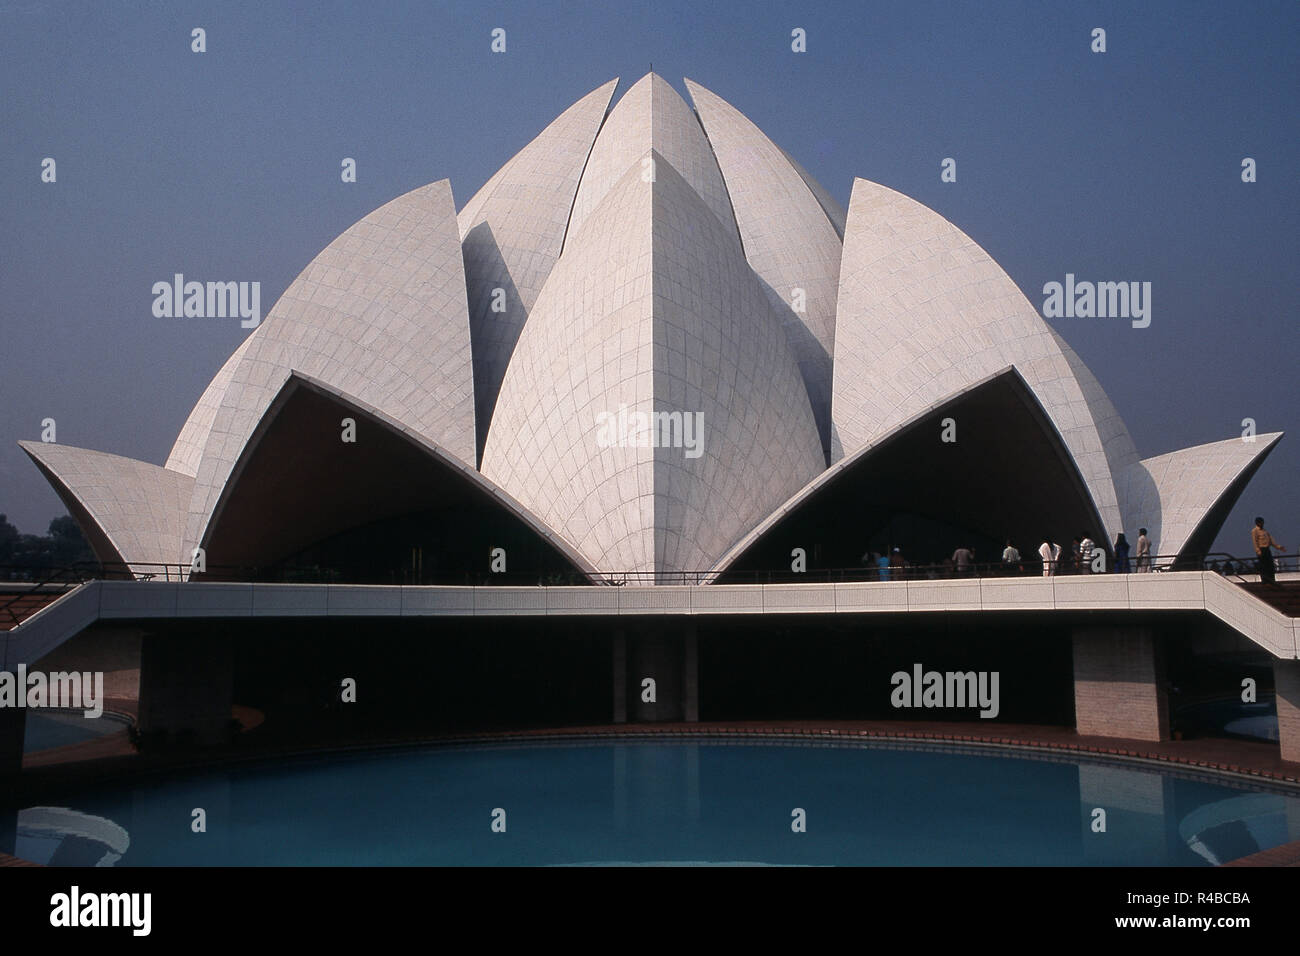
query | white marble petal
[652, 309]
[790, 238]
[512, 232]
[652, 116]
[131, 511]
[1173, 495]
[379, 314]
[924, 311]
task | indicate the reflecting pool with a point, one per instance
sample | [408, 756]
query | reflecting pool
[643, 801]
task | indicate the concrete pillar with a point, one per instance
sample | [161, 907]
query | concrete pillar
[620, 676]
[13, 726]
[669, 655]
[186, 686]
[656, 656]
[1286, 681]
[1119, 684]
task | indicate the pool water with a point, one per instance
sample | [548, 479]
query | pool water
[713, 801]
[45, 729]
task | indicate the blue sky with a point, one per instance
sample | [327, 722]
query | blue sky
[225, 165]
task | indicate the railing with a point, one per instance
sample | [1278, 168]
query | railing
[36, 578]
[45, 579]
[948, 570]
[1238, 568]
[39, 579]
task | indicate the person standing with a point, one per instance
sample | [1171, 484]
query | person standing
[882, 566]
[1144, 551]
[964, 559]
[1049, 554]
[1121, 554]
[1011, 559]
[1263, 541]
[896, 565]
[1085, 554]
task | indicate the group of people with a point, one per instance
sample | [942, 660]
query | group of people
[889, 566]
[1080, 559]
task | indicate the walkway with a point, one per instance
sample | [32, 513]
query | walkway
[144, 600]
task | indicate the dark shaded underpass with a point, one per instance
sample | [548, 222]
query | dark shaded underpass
[428, 676]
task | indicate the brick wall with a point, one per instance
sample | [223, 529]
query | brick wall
[1119, 687]
[1286, 676]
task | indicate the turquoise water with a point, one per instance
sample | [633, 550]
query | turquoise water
[58, 728]
[711, 802]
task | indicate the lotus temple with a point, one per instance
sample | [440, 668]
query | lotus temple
[638, 410]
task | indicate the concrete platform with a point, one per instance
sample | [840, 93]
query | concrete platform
[151, 600]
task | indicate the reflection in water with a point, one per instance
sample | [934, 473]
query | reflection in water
[708, 801]
[1191, 821]
[57, 836]
[1136, 805]
[1236, 827]
[47, 729]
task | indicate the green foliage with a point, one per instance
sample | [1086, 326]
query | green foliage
[64, 544]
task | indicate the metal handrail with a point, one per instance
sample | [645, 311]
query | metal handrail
[1237, 568]
[1220, 562]
[68, 574]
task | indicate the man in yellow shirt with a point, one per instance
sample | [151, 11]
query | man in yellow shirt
[1262, 541]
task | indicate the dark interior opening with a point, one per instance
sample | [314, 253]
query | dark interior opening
[1005, 476]
[305, 505]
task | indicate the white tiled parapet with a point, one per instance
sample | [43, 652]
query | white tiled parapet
[1173, 591]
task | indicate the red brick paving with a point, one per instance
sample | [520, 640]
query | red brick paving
[7, 860]
[17, 608]
[1251, 758]
[1288, 854]
[116, 744]
[110, 745]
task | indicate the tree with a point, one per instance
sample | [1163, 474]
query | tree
[67, 544]
[8, 540]
[63, 545]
